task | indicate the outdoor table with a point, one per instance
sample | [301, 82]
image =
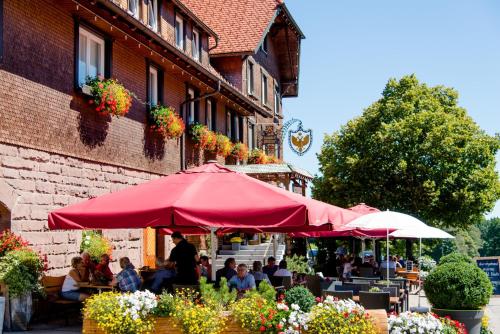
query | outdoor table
[98, 287]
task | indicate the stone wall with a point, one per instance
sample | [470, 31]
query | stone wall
[41, 182]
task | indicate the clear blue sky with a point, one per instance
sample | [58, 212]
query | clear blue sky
[353, 47]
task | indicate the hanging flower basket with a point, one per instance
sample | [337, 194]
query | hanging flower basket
[224, 145]
[109, 97]
[240, 151]
[203, 137]
[257, 157]
[167, 122]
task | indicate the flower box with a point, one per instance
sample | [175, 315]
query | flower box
[163, 325]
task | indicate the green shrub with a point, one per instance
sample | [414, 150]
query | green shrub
[165, 306]
[455, 257]
[300, 296]
[299, 264]
[21, 270]
[375, 289]
[221, 298]
[458, 286]
[95, 244]
[267, 291]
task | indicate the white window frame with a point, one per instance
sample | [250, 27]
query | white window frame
[250, 78]
[90, 37]
[263, 88]
[179, 21]
[191, 106]
[276, 99]
[196, 45]
[153, 14]
[132, 12]
[209, 114]
[153, 86]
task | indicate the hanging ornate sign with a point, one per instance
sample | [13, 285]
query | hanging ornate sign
[299, 140]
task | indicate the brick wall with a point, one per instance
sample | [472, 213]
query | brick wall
[43, 181]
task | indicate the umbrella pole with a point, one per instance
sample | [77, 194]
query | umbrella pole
[419, 268]
[213, 251]
[387, 258]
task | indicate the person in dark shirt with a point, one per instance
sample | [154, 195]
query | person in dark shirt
[185, 257]
[228, 271]
[271, 267]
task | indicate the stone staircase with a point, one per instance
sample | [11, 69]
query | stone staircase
[250, 253]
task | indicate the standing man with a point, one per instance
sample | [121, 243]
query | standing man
[185, 257]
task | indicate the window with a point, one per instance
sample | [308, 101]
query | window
[209, 118]
[236, 130]
[228, 125]
[153, 14]
[153, 86]
[133, 8]
[179, 32]
[191, 106]
[264, 89]
[264, 44]
[90, 55]
[276, 99]
[196, 45]
[251, 136]
[250, 79]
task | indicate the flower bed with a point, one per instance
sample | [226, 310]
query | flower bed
[426, 323]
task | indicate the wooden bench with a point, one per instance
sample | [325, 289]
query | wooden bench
[52, 286]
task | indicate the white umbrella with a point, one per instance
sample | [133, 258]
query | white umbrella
[388, 220]
[421, 233]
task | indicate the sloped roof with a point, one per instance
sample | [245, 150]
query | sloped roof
[240, 24]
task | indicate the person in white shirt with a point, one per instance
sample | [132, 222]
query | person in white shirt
[70, 289]
[282, 271]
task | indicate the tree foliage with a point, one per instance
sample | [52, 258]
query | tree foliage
[415, 151]
[490, 233]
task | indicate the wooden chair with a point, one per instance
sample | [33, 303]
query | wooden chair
[375, 300]
[52, 286]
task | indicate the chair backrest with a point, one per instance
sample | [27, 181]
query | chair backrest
[365, 271]
[339, 294]
[357, 287]
[287, 282]
[52, 286]
[375, 300]
[313, 283]
[392, 272]
[276, 280]
[393, 290]
[363, 281]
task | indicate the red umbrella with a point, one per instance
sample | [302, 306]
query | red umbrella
[204, 197]
[363, 209]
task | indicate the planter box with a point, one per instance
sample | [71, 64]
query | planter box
[164, 326]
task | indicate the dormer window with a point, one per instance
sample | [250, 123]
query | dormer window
[153, 14]
[179, 32]
[196, 45]
[133, 8]
[264, 44]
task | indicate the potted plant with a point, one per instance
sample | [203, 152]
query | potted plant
[109, 97]
[95, 244]
[223, 145]
[203, 137]
[235, 243]
[412, 322]
[240, 151]
[167, 122]
[20, 271]
[257, 156]
[459, 290]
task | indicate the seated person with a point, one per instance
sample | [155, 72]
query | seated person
[242, 281]
[69, 289]
[102, 272]
[88, 265]
[228, 271]
[283, 271]
[397, 261]
[205, 268]
[127, 279]
[257, 273]
[163, 276]
[347, 268]
[271, 267]
[390, 265]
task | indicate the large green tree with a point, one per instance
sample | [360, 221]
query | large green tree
[415, 151]
[490, 233]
